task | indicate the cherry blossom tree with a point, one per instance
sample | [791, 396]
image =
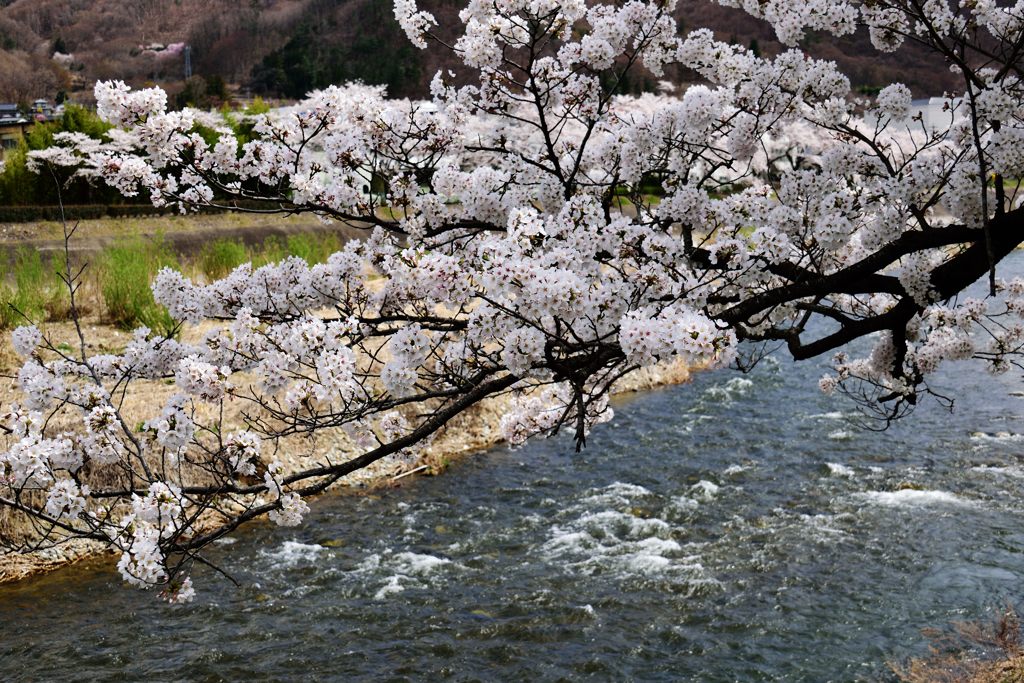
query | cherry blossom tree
[515, 250]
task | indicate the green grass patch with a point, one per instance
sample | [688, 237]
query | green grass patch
[125, 274]
[32, 290]
[220, 257]
[313, 248]
[273, 250]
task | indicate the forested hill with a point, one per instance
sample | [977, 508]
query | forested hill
[284, 48]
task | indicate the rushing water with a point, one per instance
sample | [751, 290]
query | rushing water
[735, 529]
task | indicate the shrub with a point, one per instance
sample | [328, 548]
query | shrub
[125, 275]
[19, 186]
[16, 181]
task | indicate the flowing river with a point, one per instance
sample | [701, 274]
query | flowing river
[740, 528]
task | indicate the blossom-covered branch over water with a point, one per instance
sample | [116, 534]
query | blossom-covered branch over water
[531, 235]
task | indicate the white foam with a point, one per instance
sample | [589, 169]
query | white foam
[823, 526]
[624, 490]
[834, 415]
[621, 525]
[609, 542]
[617, 494]
[607, 533]
[414, 563]
[394, 585]
[568, 540]
[998, 436]
[402, 570]
[660, 546]
[291, 553]
[705, 490]
[624, 531]
[735, 387]
[739, 384]
[403, 563]
[647, 564]
[733, 470]
[683, 504]
[914, 498]
[839, 470]
[1005, 471]
[841, 435]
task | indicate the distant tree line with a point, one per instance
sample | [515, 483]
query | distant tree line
[19, 186]
[22, 187]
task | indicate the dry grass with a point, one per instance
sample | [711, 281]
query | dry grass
[108, 228]
[971, 652]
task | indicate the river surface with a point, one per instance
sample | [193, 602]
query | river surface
[740, 528]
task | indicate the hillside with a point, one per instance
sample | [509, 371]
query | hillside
[866, 67]
[108, 39]
[283, 48]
